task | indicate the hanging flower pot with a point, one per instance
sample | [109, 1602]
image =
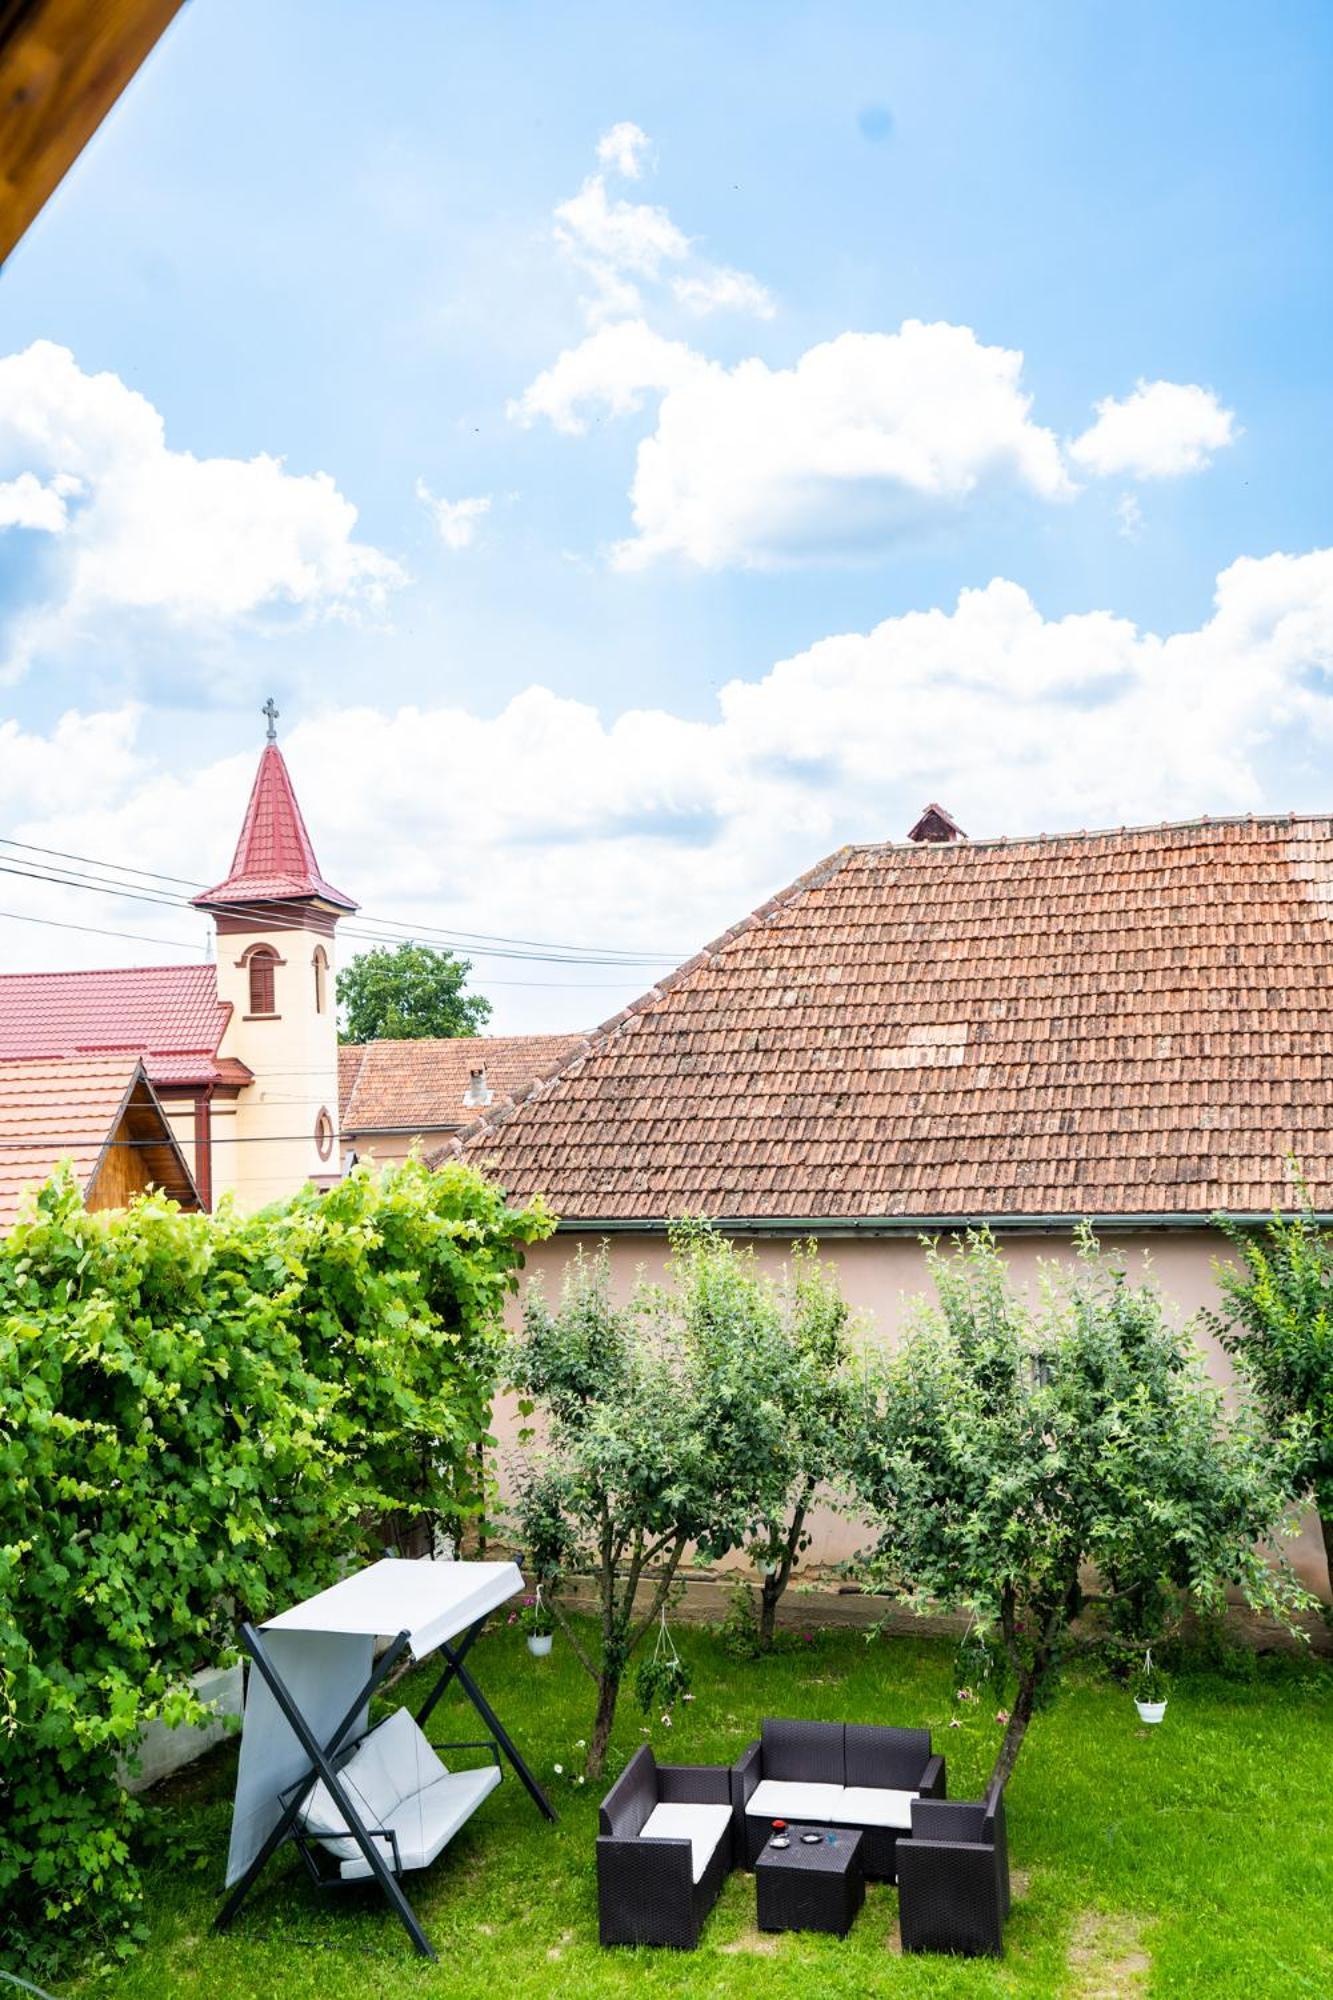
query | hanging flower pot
[663, 1680]
[538, 1625]
[1150, 1690]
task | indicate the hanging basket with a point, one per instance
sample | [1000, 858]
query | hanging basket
[663, 1680]
[539, 1634]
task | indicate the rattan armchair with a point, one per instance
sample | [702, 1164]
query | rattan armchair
[665, 1848]
[953, 1876]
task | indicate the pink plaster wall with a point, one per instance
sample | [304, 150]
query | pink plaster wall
[881, 1277]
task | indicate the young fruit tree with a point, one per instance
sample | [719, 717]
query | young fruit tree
[799, 1341]
[658, 1430]
[1013, 1445]
[1277, 1323]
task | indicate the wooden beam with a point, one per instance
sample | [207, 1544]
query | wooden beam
[63, 64]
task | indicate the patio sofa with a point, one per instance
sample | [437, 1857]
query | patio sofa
[665, 1847]
[862, 1776]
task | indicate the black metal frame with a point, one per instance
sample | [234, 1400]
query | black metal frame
[321, 1757]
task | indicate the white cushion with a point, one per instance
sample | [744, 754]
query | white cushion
[426, 1822]
[703, 1826]
[785, 1798]
[392, 1763]
[868, 1805]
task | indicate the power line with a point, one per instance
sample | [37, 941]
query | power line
[139, 937]
[473, 939]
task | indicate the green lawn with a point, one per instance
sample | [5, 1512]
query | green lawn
[1193, 1859]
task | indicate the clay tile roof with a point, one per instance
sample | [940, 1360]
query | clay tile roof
[1132, 1023]
[68, 1108]
[168, 1014]
[274, 859]
[419, 1086]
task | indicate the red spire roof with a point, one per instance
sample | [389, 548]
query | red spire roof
[274, 861]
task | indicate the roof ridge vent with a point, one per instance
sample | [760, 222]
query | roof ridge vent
[936, 826]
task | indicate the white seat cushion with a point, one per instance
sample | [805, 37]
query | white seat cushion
[702, 1826]
[784, 1798]
[868, 1805]
[427, 1822]
[392, 1763]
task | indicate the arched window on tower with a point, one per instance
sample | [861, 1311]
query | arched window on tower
[263, 962]
[320, 961]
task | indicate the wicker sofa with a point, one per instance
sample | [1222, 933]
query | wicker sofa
[862, 1776]
[953, 1876]
[665, 1847]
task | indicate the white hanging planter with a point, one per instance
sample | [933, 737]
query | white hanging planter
[1150, 1711]
[539, 1644]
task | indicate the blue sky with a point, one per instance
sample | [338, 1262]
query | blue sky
[354, 240]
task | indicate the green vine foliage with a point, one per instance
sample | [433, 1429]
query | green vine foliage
[199, 1417]
[660, 1683]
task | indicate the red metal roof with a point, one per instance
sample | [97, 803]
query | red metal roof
[170, 1015]
[274, 860]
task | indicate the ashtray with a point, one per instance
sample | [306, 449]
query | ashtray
[812, 1840]
[779, 1840]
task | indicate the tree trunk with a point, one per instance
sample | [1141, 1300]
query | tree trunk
[1326, 1526]
[608, 1690]
[1019, 1717]
[768, 1610]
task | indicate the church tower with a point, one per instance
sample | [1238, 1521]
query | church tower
[275, 916]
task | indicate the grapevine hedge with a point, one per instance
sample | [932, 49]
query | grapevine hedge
[199, 1416]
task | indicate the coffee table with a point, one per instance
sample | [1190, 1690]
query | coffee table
[809, 1887]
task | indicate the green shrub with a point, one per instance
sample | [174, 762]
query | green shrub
[199, 1416]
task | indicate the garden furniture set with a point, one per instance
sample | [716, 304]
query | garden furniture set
[814, 1808]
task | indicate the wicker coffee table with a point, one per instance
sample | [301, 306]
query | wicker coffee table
[810, 1886]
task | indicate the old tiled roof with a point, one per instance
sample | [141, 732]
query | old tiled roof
[168, 1014]
[69, 1108]
[418, 1086]
[274, 860]
[1132, 1023]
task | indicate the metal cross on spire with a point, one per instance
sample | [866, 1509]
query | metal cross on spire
[272, 711]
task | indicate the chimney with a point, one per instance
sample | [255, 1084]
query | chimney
[935, 827]
[478, 1090]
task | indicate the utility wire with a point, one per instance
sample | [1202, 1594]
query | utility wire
[478, 938]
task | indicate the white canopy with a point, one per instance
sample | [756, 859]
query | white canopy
[430, 1601]
[323, 1650]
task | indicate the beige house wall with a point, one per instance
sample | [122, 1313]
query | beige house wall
[385, 1147]
[882, 1277]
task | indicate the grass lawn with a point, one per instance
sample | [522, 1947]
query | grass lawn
[1193, 1859]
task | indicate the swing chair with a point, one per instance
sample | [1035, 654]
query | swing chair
[361, 1803]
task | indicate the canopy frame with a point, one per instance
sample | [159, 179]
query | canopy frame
[323, 1756]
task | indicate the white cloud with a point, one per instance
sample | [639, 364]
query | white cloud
[450, 816]
[859, 443]
[624, 245]
[613, 370]
[1129, 517]
[623, 149]
[455, 520]
[142, 527]
[723, 290]
[1162, 430]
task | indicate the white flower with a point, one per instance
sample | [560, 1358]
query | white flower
[667, 1720]
[559, 1770]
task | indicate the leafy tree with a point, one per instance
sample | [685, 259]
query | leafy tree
[658, 1425]
[794, 1337]
[1277, 1322]
[1011, 1446]
[408, 993]
[199, 1417]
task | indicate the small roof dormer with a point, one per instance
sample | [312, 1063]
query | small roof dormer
[274, 860]
[935, 827]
